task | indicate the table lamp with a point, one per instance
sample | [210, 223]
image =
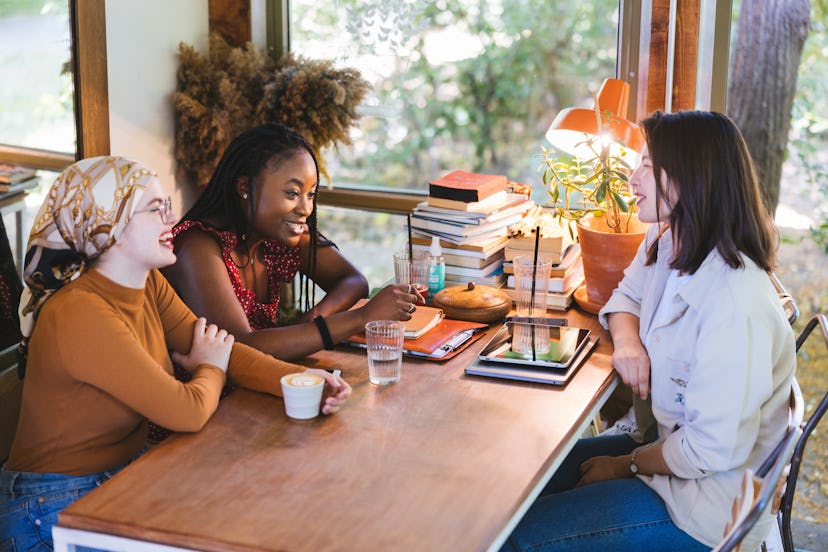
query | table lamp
[604, 141]
[608, 119]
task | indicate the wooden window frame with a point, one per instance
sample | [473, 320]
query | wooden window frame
[91, 93]
[669, 74]
[672, 40]
[668, 64]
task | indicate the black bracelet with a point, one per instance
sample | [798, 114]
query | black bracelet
[323, 331]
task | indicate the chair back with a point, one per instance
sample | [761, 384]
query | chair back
[11, 394]
[797, 413]
[757, 494]
[787, 300]
[784, 517]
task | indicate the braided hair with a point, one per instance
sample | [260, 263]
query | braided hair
[245, 157]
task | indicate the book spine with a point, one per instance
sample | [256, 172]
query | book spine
[454, 194]
[474, 272]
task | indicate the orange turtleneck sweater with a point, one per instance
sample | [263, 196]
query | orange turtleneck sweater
[99, 367]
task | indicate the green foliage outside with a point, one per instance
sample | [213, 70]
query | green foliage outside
[20, 7]
[34, 52]
[10, 8]
[485, 112]
[809, 125]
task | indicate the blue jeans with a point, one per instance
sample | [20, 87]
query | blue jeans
[30, 502]
[617, 515]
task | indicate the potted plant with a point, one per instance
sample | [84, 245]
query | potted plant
[592, 193]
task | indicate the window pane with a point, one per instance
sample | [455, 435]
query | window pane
[24, 206]
[36, 101]
[457, 84]
[367, 239]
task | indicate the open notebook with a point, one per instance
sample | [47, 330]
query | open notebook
[422, 320]
[439, 338]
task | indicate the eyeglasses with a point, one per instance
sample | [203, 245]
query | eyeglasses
[164, 209]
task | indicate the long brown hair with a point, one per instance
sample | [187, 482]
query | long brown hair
[719, 204]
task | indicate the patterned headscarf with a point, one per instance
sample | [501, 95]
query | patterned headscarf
[85, 212]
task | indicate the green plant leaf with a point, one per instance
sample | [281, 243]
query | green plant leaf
[600, 193]
[622, 204]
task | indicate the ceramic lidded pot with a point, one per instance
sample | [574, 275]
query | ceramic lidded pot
[473, 303]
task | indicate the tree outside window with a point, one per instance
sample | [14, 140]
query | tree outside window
[36, 101]
[457, 84]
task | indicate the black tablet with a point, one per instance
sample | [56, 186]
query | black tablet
[535, 343]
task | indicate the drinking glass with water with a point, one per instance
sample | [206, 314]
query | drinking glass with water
[385, 345]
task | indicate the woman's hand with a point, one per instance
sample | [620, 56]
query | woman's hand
[604, 468]
[210, 346]
[394, 302]
[337, 391]
[631, 361]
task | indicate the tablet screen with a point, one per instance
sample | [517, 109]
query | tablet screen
[533, 344]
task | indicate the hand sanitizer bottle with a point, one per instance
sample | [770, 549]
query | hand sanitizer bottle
[436, 268]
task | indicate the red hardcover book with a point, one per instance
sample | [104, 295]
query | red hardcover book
[467, 187]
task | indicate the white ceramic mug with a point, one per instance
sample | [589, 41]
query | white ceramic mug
[303, 395]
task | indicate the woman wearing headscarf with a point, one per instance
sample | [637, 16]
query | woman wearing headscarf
[98, 321]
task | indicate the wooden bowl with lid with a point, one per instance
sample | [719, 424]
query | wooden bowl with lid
[473, 303]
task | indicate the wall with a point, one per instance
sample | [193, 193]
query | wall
[142, 58]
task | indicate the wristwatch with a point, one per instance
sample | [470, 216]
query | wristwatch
[633, 465]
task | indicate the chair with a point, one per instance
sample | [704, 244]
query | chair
[787, 300]
[11, 394]
[758, 494]
[784, 516]
[11, 388]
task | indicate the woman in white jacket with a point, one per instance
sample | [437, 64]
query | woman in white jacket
[697, 327]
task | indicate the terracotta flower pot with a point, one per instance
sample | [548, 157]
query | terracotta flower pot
[606, 254]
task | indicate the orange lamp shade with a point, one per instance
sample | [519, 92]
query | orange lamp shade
[567, 130]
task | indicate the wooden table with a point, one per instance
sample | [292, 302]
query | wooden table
[439, 461]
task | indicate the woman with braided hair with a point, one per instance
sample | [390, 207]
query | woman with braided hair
[254, 227]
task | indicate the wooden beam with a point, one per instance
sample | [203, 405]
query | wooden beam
[370, 200]
[686, 54]
[90, 76]
[278, 29]
[659, 52]
[629, 46]
[721, 58]
[37, 159]
[231, 20]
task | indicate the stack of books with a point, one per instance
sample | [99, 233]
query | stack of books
[470, 214]
[15, 178]
[555, 244]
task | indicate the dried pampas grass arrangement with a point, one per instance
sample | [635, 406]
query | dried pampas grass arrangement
[233, 89]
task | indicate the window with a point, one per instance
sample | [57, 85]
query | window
[368, 240]
[36, 102]
[37, 118]
[457, 84]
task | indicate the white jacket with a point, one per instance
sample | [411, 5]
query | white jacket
[721, 365]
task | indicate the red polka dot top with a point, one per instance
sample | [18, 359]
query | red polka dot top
[281, 261]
